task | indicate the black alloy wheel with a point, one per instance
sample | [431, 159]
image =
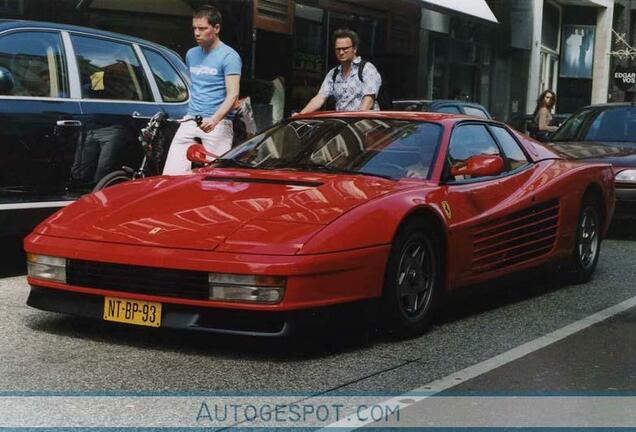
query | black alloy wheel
[588, 241]
[413, 278]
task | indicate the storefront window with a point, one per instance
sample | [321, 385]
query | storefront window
[439, 53]
[458, 64]
[309, 54]
[550, 29]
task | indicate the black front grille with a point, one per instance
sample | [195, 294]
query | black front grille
[137, 279]
[625, 208]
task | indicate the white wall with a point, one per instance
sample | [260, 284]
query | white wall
[534, 72]
[602, 46]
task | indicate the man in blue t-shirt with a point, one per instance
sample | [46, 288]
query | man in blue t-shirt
[215, 72]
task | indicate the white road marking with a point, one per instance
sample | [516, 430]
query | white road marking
[426, 391]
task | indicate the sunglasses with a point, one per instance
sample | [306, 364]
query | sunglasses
[343, 49]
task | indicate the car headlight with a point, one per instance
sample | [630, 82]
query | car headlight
[246, 288]
[626, 176]
[46, 267]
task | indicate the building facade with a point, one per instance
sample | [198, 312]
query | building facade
[500, 53]
[563, 45]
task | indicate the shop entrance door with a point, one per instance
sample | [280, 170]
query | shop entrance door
[549, 70]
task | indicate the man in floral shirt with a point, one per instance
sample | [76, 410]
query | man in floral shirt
[352, 90]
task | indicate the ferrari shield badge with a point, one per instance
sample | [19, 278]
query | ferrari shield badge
[447, 209]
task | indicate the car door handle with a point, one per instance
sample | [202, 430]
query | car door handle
[136, 115]
[69, 123]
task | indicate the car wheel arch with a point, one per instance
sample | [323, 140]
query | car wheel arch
[428, 214]
[439, 227]
[595, 192]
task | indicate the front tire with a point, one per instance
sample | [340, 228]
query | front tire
[413, 279]
[587, 245]
[112, 179]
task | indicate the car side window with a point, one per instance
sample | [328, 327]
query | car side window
[450, 109]
[171, 86]
[469, 140]
[511, 148]
[110, 70]
[475, 112]
[35, 61]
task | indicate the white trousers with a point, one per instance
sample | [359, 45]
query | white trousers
[216, 142]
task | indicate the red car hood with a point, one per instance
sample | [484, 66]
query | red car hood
[227, 210]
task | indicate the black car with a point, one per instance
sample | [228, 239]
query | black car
[605, 133]
[72, 101]
[443, 106]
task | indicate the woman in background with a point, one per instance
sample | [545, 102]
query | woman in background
[543, 114]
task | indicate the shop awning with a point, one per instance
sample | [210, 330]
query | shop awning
[472, 8]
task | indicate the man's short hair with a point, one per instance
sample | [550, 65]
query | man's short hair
[209, 12]
[346, 33]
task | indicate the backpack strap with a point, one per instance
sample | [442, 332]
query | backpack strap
[334, 74]
[337, 69]
[361, 66]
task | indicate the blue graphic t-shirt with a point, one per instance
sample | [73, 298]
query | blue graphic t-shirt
[207, 72]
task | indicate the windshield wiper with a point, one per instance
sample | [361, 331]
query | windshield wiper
[233, 163]
[315, 166]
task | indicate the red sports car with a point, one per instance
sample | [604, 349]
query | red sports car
[392, 208]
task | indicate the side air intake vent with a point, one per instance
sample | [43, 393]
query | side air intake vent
[519, 237]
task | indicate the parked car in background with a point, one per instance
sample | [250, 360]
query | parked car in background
[605, 133]
[318, 213]
[450, 106]
[72, 102]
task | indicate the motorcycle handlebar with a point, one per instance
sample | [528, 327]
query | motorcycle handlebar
[197, 119]
[161, 117]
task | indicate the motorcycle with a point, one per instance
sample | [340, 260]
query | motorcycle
[153, 151]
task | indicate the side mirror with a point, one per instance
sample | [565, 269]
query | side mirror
[6, 81]
[198, 154]
[479, 166]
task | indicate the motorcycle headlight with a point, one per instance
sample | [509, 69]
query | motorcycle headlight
[246, 288]
[46, 267]
[626, 176]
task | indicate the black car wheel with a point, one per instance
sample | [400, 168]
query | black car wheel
[111, 179]
[588, 242]
[413, 278]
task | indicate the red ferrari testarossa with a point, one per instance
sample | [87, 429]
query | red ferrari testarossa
[319, 211]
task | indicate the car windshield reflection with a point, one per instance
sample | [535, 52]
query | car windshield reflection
[378, 147]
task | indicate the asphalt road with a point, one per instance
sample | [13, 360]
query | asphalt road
[42, 351]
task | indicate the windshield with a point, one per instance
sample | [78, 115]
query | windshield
[379, 147]
[614, 124]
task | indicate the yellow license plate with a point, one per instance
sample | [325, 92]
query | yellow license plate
[132, 311]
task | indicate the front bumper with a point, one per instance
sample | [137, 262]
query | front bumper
[625, 202]
[220, 321]
[315, 284]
